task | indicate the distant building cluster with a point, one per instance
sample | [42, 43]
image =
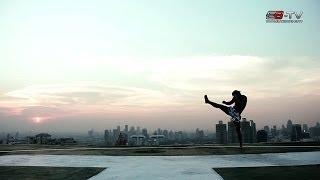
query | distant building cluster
[291, 132]
[45, 138]
[226, 133]
[42, 138]
[136, 136]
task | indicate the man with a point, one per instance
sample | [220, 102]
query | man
[240, 102]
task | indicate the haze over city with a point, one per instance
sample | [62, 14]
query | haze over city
[76, 65]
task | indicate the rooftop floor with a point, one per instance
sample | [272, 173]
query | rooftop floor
[162, 167]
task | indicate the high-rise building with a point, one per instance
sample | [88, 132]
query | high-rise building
[132, 131]
[274, 131]
[107, 137]
[315, 131]
[178, 135]
[305, 128]
[199, 135]
[122, 139]
[90, 133]
[138, 130]
[262, 136]
[267, 129]
[8, 138]
[17, 135]
[246, 131]
[145, 132]
[171, 135]
[283, 131]
[296, 134]
[232, 133]
[253, 137]
[115, 134]
[126, 129]
[165, 133]
[221, 133]
[289, 127]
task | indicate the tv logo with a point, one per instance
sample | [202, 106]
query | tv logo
[284, 17]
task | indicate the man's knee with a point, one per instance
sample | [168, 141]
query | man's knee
[225, 109]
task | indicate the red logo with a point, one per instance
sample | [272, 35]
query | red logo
[274, 15]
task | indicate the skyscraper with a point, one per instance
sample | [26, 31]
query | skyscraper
[267, 129]
[132, 131]
[126, 129]
[305, 128]
[165, 133]
[274, 131]
[116, 133]
[171, 135]
[296, 133]
[289, 127]
[107, 137]
[253, 137]
[145, 132]
[138, 130]
[221, 133]
[178, 135]
[232, 133]
[246, 131]
[199, 135]
[315, 131]
[283, 131]
[262, 136]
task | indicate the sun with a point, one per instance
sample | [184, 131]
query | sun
[37, 119]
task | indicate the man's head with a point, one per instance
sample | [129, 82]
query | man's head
[236, 93]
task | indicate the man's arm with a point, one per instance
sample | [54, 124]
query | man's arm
[230, 102]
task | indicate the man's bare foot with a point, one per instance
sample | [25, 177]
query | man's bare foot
[241, 149]
[206, 100]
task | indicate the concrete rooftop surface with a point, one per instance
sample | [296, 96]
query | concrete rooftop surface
[162, 167]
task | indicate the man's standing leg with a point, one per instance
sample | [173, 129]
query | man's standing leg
[238, 129]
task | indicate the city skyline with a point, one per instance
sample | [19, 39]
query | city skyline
[122, 128]
[140, 136]
[71, 66]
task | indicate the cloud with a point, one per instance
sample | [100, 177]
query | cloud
[259, 76]
[177, 81]
[158, 87]
[84, 97]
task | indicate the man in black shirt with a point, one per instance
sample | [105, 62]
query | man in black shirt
[240, 102]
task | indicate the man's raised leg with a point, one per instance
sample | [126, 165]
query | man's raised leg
[225, 109]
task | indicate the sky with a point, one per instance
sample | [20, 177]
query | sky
[69, 66]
